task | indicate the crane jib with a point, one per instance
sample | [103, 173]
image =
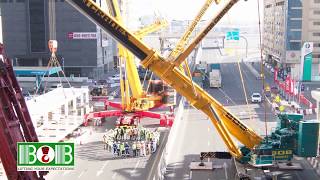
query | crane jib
[109, 25]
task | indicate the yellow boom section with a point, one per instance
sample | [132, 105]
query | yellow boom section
[224, 121]
[132, 79]
[185, 38]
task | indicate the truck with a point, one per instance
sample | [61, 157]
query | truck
[214, 75]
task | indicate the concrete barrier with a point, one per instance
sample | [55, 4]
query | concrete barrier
[158, 172]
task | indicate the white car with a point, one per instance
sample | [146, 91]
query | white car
[256, 98]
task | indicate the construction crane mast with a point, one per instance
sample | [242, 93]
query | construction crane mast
[15, 122]
[224, 121]
[137, 99]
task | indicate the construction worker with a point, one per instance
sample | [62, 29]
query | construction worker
[127, 134]
[151, 136]
[109, 145]
[118, 148]
[121, 133]
[114, 148]
[131, 133]
[122, 149]
[138, 148]
[154, 146]
[134, 149]
[116, 133]
[126, 146]
[143, 148]
[141, 134]
[149, 147]
[105, 141]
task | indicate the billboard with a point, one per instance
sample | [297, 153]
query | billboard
[82, 35]
[306, 61]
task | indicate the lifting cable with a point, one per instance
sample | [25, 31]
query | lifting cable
[262, 75]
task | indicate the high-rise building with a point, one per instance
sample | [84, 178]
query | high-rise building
[311, 32]
[83, 50]
[287, 25]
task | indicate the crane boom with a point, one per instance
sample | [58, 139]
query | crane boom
[224, 121]
[132, 80]
[158, 24]
[185, 38]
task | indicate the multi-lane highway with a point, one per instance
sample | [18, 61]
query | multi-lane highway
[197, 134]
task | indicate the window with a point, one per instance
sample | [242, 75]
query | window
[316, 55]
[316, 23]
[316, 34]
[316, 1]
[280, 3]
[316, 12]
[316, 45]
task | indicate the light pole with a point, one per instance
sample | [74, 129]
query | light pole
[246, 45]
[246, 40]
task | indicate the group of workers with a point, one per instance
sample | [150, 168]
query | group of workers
[131, 133]
[131, 141]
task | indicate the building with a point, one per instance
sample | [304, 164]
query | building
[311, 32]
[83, 50]
[287, 25]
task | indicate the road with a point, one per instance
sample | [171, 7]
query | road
[93, 162]
[197, 134]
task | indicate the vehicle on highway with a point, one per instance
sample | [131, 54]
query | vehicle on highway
[256, 98]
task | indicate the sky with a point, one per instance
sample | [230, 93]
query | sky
[242, 12]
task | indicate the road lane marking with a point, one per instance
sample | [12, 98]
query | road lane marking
[101, 169]
[226, 96]
[81, 174]
[114, 175]
[208, 143]
[225, 169]
[135, 167]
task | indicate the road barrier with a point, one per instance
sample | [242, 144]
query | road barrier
[157, 173]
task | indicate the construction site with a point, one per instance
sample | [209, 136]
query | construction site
[118, 89]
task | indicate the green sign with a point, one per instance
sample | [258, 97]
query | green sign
[233, 35]
[307, 66]
[306, 61]
[36, 156]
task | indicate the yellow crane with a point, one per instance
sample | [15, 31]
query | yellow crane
[137, 99]
[226, 124]
[186, 36]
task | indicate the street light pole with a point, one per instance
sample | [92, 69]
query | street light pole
[246, 45]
